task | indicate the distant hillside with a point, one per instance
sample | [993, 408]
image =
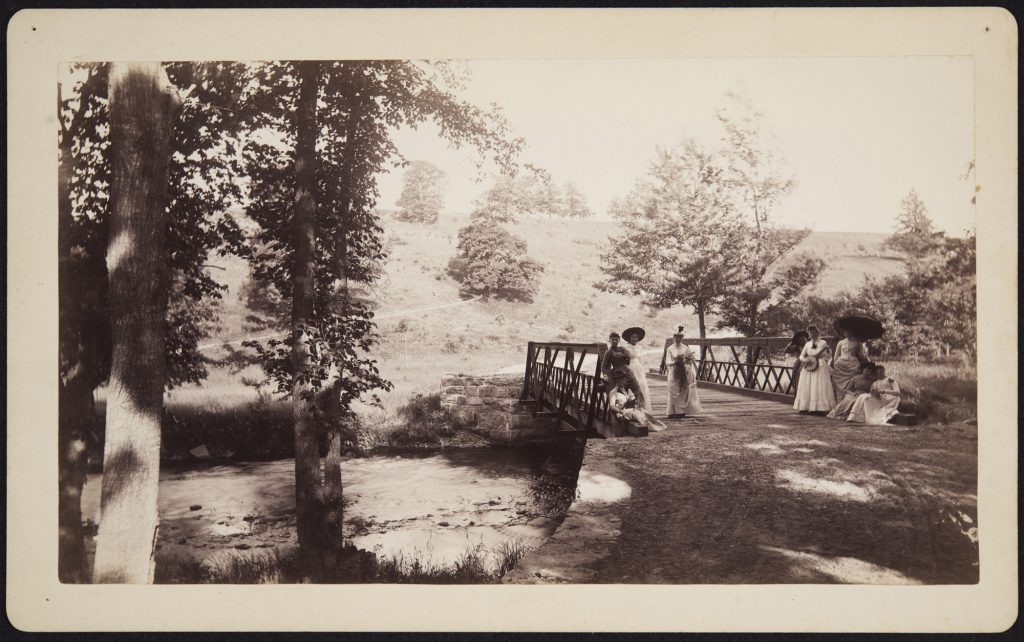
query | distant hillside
[427, 329]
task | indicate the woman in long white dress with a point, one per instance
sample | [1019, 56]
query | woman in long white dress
[626, 408]
[847, 362]
[878, 406]
[682, 378]
[814, 391]
[634, 336]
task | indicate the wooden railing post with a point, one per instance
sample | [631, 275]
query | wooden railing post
[753, 353]
[530, 362]
[594, 390]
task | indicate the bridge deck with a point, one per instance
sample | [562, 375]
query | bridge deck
[752, 492]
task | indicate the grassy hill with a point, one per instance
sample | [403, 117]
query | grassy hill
[427, 329]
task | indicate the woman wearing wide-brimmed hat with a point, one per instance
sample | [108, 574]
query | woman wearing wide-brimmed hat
[633, 336]
[682, 377]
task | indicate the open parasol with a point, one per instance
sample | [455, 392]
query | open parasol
[862, 326]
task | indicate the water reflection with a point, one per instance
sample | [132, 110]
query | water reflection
[434, 504]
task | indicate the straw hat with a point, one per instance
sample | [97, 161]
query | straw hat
[628, 332]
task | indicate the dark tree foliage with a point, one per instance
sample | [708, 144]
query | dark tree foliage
[365, 99]
[201, 186]
[491, 261]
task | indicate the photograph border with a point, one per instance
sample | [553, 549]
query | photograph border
[40, 40]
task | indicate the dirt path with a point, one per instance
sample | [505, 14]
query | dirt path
[752, 492]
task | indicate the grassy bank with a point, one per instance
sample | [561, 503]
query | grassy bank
[942, 393]
[262, 429]
[477, 565]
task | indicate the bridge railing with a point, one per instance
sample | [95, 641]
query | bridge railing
[758, 364]
[560, 380]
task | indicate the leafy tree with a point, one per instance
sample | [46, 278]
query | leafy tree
[313, 195]
[543, 196]
[421, 198]
[491, 261]
[199, 189]
[771, 279]
[751, 162]
[679, 236]
[915, 234]
[505, 200]
[142, 107]
[575, 204]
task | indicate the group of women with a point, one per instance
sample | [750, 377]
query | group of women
[845, 384]
[629, 397]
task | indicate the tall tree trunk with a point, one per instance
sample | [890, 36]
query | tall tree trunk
[76, 415]
[142, 105]
[701, 325]
[308, 488]
[81, 370]
[333, 483]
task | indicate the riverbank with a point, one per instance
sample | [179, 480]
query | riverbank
[425, 515]
[750, 492]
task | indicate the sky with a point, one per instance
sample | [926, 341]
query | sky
[857, 133]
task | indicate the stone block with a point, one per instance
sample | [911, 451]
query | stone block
[474, 401]
[452, 380]
[487, 391]
[459, 400]
[465, 416]
[513, 392]
[472, 391]
[454, 390]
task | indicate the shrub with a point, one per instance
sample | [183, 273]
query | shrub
[422, 420]
[490, 261]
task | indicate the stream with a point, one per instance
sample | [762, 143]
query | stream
[428, 505]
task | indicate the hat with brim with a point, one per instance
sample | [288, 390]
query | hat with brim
[678, 332]
[628, 332]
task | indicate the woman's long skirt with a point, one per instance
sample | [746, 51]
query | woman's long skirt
[843, 372]
[643, 398]
[814, 392]
[868, 409]
[683, 399]
[842, 409]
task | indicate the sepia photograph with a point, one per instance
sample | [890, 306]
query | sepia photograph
[519, 321]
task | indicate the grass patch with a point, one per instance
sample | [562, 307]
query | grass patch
[421, 421]
[258, 430]
[477, 565]
[260, 566]
[938, 392]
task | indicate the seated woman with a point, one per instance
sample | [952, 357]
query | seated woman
[859, 385]
[623, 405]
[878, 406]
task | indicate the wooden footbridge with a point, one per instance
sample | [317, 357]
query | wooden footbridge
[564, 379]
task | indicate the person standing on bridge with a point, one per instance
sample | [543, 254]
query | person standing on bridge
[682, 378]
[615, 367]
[850, 356]
[814, 390]
[634, 336]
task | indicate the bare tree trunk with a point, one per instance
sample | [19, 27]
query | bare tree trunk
[142, 105]
[308, 487]
[703, 330]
